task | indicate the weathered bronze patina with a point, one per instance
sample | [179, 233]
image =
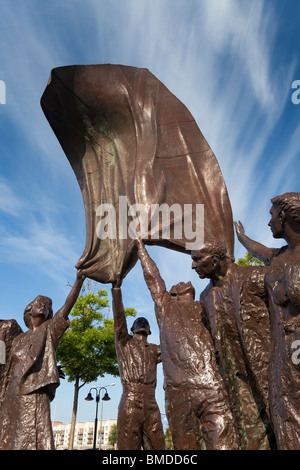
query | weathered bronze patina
[197, 405]
[139, 416]
[231, 375]
[125, 134]
[9, 329]
[236, 313]
[282, 275]
[32, 376]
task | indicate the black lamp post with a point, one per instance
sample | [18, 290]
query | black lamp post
[89, 397]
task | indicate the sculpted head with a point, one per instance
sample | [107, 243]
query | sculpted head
[211, 260]
[285, 210]
[183, 291]
[38, 311]
[141, 326]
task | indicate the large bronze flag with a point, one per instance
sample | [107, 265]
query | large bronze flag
[136, 151]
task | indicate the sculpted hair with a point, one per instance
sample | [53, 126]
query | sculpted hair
[218, 248]
[183, 288]
[289, 203]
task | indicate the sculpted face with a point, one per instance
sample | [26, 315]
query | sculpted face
[205, 264]
[141, 326]
[39, 310]
[276, 222]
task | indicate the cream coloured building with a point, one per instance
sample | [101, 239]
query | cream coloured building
[84, 434]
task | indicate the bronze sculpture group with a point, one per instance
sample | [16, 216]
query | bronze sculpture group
[231, 381]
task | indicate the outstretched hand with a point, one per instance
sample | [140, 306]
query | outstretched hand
[73, 295]
[239, 228]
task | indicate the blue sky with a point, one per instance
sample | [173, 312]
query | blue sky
[231, 62]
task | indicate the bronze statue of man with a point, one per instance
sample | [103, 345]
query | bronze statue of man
[237, 315]
[282, 276]
[32, 375]
[196, 402]
[139, 418]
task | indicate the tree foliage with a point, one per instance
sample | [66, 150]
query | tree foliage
[249, 260]
[113, 436]
[87, 349]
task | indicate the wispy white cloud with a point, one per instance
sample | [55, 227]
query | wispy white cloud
[10, 202]
[244, 30]
[31, 234]
[217, 57]
[238, 109]
[282, 175]
[32, 47]
[41, 247]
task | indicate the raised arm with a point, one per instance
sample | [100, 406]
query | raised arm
[259, 251]
[120, 324]
[72, 297]
[152, 276]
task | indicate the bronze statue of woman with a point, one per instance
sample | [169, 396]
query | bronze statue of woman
[32, 375]
[282, 281]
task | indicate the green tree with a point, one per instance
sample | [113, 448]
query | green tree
[87, 349]
[168, 439]
[249, 260]
[113, 436]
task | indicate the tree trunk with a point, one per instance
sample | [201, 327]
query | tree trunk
[74, 413]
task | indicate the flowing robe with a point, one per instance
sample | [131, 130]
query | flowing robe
[283, 286]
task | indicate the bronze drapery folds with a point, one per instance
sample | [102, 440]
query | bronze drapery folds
[126, 135]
